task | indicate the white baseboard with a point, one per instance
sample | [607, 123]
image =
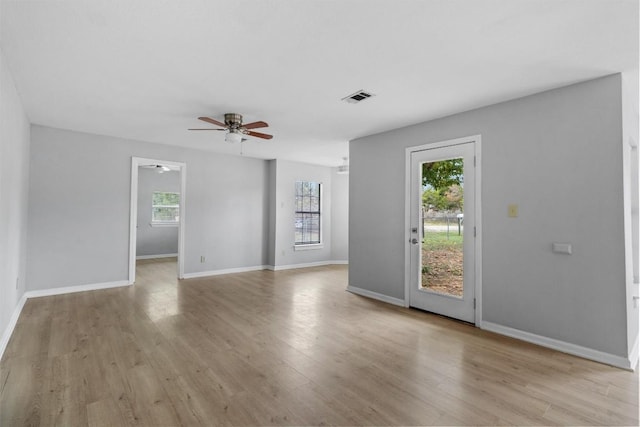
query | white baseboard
[259, 267]
[633, 356]
[340, 262]
[4, 340]
[72, 289]
[156, 256]
[565, 347]
[375, 295]
[223, 271]
[303, 265]
[294, 266]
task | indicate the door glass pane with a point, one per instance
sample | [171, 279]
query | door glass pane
[442, 216]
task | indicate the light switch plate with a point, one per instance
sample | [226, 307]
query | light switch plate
[562, 248]
[513, 211]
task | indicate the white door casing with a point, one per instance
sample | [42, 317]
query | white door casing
[467, 307]
[136, 162]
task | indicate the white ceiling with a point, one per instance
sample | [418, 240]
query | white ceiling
[146, 69]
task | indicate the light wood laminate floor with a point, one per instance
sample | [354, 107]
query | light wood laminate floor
[283, 348]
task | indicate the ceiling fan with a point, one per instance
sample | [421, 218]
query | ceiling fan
[235, 128]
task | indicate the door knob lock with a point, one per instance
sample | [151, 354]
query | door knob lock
[414, 241]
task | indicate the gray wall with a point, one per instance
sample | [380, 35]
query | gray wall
[226, 212]
[272, 173]
[558, 155]
[238, 211]
[14, 175]
[339, 216]
[79, 208]
[150, 240]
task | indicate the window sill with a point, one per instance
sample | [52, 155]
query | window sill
[308, 247]
[163, 224]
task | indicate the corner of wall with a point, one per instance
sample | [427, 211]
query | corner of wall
[631, 199]
[14, 188]
[339, 215]
[272, 171]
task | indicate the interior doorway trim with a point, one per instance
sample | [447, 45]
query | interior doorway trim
[476, 139]
[136, 162]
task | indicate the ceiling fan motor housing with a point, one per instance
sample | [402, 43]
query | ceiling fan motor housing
[233, 120]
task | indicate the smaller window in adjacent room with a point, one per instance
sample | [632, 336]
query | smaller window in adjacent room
[165, 209]
[308, 212]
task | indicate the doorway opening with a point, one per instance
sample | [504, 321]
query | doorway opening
[156, 227]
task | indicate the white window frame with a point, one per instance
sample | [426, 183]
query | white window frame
[155, 223]
[311, 246]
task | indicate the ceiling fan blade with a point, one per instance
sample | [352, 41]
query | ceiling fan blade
[255, 125]
[206, 129]
[212, 121]
[259, 134]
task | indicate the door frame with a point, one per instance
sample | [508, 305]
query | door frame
[477, 140]
[136, 162]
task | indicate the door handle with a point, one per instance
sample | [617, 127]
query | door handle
[414, 241]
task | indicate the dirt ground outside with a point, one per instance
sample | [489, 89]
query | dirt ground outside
[442, 262]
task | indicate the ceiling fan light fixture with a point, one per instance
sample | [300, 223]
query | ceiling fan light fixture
[233, 136]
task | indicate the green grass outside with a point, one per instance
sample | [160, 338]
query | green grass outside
[438, 240]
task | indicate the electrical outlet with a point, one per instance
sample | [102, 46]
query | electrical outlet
[202, 258]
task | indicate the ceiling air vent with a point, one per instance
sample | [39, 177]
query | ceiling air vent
[360, 95]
